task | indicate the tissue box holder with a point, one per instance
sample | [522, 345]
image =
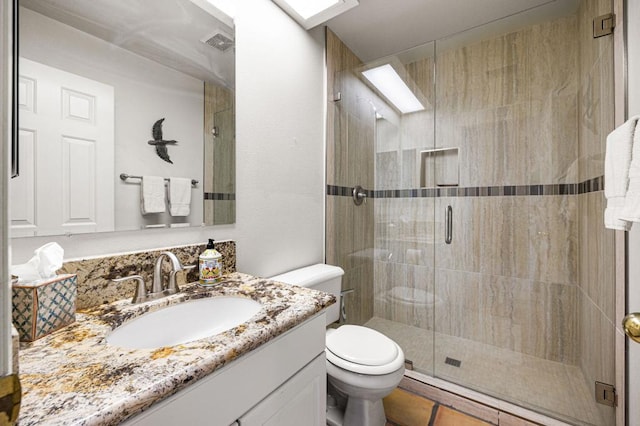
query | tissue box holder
[42, 308]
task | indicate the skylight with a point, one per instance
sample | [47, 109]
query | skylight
[391, 86]
[309, 13]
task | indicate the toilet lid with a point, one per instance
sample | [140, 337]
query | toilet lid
[361, 345]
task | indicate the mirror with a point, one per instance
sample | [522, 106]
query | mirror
[113, 91]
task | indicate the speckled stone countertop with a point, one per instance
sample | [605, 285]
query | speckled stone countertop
[72, 377]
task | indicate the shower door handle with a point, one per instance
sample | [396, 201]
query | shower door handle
[448, 225]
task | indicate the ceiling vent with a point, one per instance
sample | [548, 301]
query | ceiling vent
[219, 40]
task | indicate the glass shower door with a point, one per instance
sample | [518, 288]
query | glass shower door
[405, 230]
[524, 288]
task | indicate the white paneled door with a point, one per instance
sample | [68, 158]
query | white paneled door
[66, 182]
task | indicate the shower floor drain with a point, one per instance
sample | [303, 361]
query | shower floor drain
[452, 361]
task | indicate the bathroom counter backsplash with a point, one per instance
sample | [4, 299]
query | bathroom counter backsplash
[73, 377]
[94, 275]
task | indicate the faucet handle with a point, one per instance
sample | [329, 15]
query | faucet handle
[173, 284]
[140, 294]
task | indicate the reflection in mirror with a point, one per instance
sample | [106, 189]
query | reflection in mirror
[106, 88]
[220, 153]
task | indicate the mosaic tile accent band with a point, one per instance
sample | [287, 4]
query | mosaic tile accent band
[219, 196]
[590, 185]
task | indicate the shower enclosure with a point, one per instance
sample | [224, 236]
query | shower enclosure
[480, 246]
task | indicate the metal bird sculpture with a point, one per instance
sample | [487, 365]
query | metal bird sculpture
[161, 144]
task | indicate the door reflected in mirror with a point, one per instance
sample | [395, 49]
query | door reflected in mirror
[107, 88]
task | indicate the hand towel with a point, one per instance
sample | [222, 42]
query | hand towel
[631, 210]
[617, 161]
[152, 194]
[179, 196]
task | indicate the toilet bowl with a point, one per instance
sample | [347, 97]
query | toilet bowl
[363, 365]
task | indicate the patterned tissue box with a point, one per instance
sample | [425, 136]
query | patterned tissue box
[44, 307]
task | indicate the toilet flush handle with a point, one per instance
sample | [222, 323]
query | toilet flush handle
[343, 310]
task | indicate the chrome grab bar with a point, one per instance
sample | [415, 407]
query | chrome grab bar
[448, 228]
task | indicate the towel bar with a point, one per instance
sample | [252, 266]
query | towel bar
[125, 176]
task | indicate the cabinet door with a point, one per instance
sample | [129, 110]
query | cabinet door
[299, 401]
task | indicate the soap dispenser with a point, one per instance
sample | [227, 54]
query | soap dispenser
[210, 265]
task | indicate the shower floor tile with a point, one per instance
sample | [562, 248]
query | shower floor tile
[549, 387]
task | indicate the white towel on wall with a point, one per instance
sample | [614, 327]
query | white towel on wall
[152, 195]
[179, 196]
[631, 209]
[617, 168]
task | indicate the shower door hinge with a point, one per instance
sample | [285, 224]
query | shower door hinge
[606, 394]
[603, 25]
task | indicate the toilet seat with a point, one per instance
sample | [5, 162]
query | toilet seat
[363, 350]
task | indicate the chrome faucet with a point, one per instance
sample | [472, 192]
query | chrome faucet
[157, 286]
[158, 289]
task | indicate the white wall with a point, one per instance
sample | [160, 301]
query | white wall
[280, 154]
[280, 129]
[633, 251]
[6, 349]
[145, 91]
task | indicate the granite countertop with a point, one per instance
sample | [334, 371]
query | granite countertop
[72, 377]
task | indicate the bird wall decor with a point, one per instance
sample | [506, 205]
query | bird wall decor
[160, 143]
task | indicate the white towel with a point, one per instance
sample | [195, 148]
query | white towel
[617, 162]
[179, 196]
[152, 194]
[631, 209]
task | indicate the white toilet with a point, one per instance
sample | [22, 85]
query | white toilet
[363, 365]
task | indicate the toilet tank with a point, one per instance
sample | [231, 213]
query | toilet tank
[320, 277]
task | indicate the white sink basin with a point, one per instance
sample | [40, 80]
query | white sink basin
[184, 322]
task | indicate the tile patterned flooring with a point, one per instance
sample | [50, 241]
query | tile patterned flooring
[406, 409]
[544, 386]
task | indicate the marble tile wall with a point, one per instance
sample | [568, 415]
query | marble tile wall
[509, 277]
[595, 89]
[510, 104]
[94, 275]
[350, 162]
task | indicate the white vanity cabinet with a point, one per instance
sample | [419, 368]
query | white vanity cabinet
[299, 401]
[282, 382]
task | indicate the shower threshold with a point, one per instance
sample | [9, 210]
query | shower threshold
[509, 381]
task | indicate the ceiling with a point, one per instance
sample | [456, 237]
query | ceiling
[170, 32]
[373, 29]
[378, 28]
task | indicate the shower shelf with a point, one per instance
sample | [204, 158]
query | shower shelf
[439, 167]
